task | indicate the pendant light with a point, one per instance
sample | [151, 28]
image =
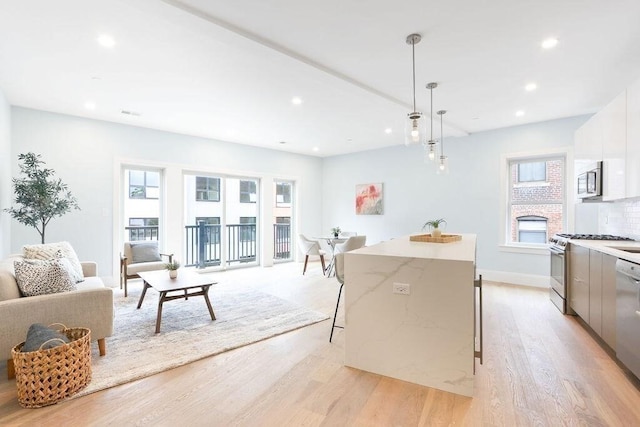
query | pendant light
[443, 166]
[415, 126]
[431, 144]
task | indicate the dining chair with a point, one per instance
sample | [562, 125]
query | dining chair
[352, 243]
[348, 233]
[339, 265]
[310, 247]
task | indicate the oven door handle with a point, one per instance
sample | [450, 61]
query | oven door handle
[556, 251]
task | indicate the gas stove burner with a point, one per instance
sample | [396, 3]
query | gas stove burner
[592, 237]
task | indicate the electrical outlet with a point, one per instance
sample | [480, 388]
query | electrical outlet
[401, 288]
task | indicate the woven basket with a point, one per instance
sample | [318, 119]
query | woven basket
[45, 377]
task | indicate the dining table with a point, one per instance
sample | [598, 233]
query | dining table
[331, 242]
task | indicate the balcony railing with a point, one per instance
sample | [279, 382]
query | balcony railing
[281, 241]
[142, 232]
[203, 244]
[203, 248]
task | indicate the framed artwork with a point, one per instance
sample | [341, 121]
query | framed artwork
[369, 199]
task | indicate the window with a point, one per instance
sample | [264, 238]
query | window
[208, 220]
[247, 192]
[283, 193]
[144, 184]
[535, 212]
[532, 229]
[283, 220]
[207, 189]
[532, 171]
[247, 228]
[143, 222]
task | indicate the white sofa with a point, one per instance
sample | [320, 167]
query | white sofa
[90, 306]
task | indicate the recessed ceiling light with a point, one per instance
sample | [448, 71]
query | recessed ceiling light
[388, 131]
[315, 149]
[475, 118]
[530, 86]
[90, 105]
[106, 40]
[296, 100]
[519, 113]
[549, 43]
[283, 142]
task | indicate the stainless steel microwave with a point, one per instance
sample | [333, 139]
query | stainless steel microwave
[589, 183]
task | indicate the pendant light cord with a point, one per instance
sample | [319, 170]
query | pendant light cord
[441, 136]
[413, 50]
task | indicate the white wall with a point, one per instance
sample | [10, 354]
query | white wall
[5, 176]
[468, 198]
[85, 153]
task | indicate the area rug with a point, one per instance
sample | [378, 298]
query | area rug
[243, 316]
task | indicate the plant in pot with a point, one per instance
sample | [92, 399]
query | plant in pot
[434, 226]
[40, 197]
[336, 231]
[173, 267]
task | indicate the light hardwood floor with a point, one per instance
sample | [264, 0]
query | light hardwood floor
[541, 368]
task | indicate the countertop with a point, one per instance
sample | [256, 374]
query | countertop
[609, 247]
[462, 250]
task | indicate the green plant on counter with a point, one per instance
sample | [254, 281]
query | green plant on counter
[434, 223]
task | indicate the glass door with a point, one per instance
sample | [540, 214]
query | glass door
[221, 226]
[283, 213]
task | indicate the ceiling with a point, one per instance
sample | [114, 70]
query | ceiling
[228, 70]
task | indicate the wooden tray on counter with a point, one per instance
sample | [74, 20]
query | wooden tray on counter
[444, 238]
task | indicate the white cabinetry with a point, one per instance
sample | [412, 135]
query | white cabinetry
[588, 144]
[614, 148]
[613, 136]
[633, 141]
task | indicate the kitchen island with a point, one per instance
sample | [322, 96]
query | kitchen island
[410, 311]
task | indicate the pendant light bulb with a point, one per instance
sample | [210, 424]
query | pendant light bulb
[415, 126]
[432, 150]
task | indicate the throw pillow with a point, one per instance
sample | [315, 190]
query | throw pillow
[50, 251]
[40, 334]
[144, 252]
[35, 277]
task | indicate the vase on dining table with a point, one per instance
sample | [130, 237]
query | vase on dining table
[173, 274]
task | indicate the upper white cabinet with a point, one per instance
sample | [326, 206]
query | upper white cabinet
[633, 141]
[613, 136]
[614, 148]
[588, 144]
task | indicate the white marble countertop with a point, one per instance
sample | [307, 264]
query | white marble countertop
[610, 247]
[462, 250]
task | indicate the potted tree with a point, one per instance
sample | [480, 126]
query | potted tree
[39, 196]
[434, 226]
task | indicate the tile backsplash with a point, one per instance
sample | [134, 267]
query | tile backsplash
[620, 218]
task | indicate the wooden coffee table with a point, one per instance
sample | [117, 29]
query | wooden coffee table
[186, 280]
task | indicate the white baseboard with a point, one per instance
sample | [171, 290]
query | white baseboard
[533, 280]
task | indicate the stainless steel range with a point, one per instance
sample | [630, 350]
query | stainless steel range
[559, 265]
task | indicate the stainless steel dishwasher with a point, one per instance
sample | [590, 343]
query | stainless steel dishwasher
[628, 315]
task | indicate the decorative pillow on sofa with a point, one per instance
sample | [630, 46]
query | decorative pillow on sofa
[40, 334]
[49, 251]
[35, 277]
[144, 252]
